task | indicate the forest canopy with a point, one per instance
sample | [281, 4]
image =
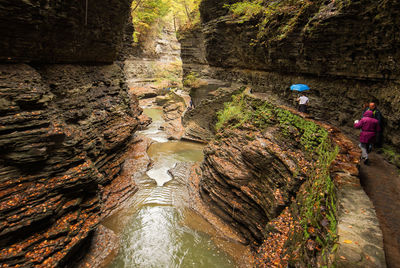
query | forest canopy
[146, 13]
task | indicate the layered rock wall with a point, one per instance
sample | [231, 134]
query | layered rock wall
[346, 52]
[63, 132]
[252, 176]
[64, 129]
[61, 31]
[335, 38]
[247, 181]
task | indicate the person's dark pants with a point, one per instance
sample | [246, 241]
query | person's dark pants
[379, 139]
[303, 108]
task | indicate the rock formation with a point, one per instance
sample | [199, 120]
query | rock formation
[58, 31]
[199, 122]
[63, 128]
[247, 181]
[345, 51]
[258, 177]
[63, 131]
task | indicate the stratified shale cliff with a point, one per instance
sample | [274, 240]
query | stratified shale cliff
[247, 180]
[61, 31]
[346, 51]
[288, 185]
[64, 128]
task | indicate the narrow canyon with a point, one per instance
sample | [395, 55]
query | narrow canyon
[164, 133]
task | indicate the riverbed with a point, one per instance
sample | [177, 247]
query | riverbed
[159, 229]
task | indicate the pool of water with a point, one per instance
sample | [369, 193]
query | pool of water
[158, 229]
[153, 131]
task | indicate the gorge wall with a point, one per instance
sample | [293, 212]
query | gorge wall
[346, 51]
[276, 178]
[64, 128]
[58, 31]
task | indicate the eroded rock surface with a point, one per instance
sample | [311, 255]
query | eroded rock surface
[249, 177]
[60, 31]
[345, 51]
[104, 247]
[253, 179]
[64, 130]
[173, 108]
[199, 122]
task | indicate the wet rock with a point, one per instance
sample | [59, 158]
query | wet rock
[180, 174]
[247, 182]
[316, 45]
[174, 108]
[200, 122]
[344, 68]
[249, 176]
[144, 121]
[134, 165]
[161, 100]
[127, 49]
[103, 248]
[207, 88]
[193, 50]
[62, 140]
[144, 92]
[360, 237]
[59, 31]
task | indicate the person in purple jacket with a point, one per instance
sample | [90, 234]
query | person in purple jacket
[369, 128]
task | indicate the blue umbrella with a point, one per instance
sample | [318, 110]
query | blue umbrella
[299, 87]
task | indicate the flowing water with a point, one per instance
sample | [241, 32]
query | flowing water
[158, 229]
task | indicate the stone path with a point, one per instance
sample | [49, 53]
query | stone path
[381, 181]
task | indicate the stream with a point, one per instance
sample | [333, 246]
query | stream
[159, 229]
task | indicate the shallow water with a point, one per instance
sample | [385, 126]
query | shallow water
[158, 229]
[153, 131]
[166, 155]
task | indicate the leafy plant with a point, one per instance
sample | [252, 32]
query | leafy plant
[391, 155]
[192, 80]
[246, 10]
[233, 112]
[315, 205]
[145, 13]
[276, 18]
[318, 209]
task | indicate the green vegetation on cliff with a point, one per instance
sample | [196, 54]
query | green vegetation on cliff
[314, 208]
[263, 114]
[192, 80]
[277, 19]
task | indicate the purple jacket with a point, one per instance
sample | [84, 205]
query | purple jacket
[369, 127]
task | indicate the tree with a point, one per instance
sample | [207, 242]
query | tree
[147, 12]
